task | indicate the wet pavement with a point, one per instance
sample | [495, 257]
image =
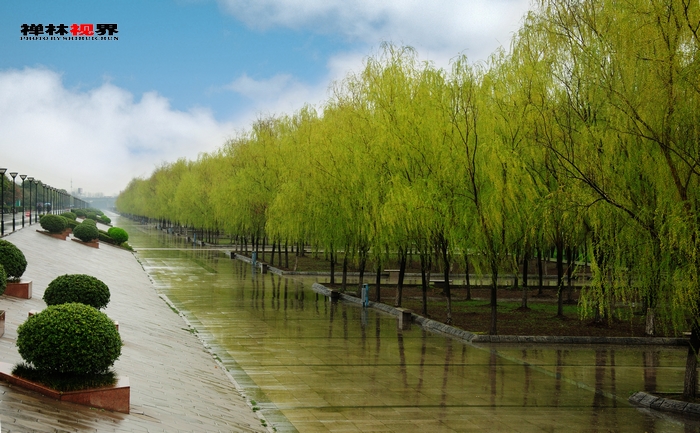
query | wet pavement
[316, 366]
[176, 384]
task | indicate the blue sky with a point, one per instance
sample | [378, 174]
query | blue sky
[186, 75]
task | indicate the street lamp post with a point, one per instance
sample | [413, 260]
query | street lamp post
[14, 187]
[31, 182]
[2, 202]
[24, 204]
[43, 198]
[36, 198]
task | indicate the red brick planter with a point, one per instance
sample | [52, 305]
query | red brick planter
[115, 398]
[93, 243]
[61, 236]
[22, 289]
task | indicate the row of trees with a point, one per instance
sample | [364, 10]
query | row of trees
[585, 135]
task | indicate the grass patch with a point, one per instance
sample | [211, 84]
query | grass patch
[64, 381]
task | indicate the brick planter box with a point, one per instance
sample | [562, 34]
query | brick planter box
[115, 398]
[22, 289]
[62, 236]
[94, 243]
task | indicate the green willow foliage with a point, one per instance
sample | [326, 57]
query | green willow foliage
[585, 135]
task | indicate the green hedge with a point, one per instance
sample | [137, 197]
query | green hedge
[69, 338]
[69, 215]
[119, 235]
[3, 280]
[12, 259]
[71, 224]
[77, 288]
[86, 232]
[53, 223]
[104, 237]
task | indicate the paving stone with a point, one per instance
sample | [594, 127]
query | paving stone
[673, 405]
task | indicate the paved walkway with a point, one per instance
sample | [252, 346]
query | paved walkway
[176, 384]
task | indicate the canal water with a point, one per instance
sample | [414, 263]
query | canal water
[314, 366]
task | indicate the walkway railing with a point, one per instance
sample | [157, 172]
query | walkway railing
[42, 199]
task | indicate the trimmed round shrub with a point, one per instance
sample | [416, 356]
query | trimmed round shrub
[119, 235]
[69, 215]
[91, 216]
[104, 219]
[3, 280]
[80, 213]
[81, 288]
[12, 259]
[86, 232]
[91, 222]
[69, 338]
[53, 223]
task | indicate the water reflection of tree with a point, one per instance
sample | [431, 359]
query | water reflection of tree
[650, 360]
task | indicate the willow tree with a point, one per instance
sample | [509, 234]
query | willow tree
[630, 121]
[410, 103]
[482, 170]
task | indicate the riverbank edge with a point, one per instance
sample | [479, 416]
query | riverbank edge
[663, 404]
[470, 337]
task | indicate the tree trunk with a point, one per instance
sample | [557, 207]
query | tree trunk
[650, 328]
[691, 364]
[526, 257]
[272, 257]
[446, 273]
[286, 255]
[344, 283]
[378, 282]
[540, 271]
[424, 282]
[493, 329]
[363, 263]
[560, 278]
[569, 275]
[402, 272]
[332, 265]
[467, 282]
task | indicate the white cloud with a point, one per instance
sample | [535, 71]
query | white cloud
[100, 138]
[280, 94]
[439, 29]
